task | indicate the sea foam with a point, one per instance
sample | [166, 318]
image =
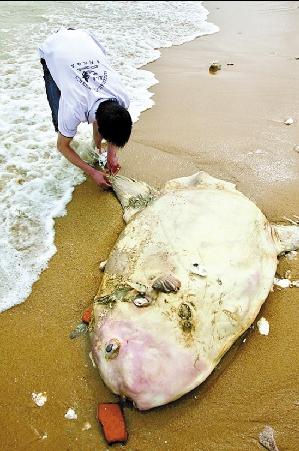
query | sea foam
[36, 182]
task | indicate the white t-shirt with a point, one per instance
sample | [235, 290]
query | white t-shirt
[79, 67]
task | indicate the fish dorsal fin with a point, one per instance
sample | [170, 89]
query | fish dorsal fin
[198, 180]
[134, 196]
[286, 238]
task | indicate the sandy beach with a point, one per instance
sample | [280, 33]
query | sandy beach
[231, 125]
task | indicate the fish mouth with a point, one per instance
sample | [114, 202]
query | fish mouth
[148, 369]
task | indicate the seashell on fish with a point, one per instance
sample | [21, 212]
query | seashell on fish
[166, 283]
[198, 269]
[142, 301]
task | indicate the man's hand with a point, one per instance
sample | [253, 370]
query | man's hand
[63, 145]
[112, 160]
[100, 179]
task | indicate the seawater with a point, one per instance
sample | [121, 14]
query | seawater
[36, 182]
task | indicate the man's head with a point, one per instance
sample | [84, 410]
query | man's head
[114, 122]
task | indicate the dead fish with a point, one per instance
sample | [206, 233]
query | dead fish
[171, 346]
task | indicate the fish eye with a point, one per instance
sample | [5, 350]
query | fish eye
[112, 349]
[109, 347]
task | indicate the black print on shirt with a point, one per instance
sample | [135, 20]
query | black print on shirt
[86, 71]
[85, 75]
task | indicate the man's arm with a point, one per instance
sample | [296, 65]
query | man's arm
[63, 145]
[112, 160]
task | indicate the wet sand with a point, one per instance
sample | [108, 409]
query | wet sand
[231, 125]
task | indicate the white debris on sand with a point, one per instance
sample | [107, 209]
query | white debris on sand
[291, 255]
[256, 152]
[263, 326]
[289, 121]
[282, 283]
[71, 414]
[39, 398]
[102, 265]
[92, 360]
[286, 283]
[267, 440]
[86, 426]
[40, 435]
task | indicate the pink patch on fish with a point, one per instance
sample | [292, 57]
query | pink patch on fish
[150, 370]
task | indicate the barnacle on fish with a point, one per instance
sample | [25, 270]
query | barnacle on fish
[185, 314]
[166, 284]
[186, 326]
[140, 201]
[117, 295]
[184, 311]
[137, 286]
[142, 301]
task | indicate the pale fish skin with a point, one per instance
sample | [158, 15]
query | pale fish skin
[155, 351]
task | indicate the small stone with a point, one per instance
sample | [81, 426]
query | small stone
[282, 283]
[102, 265]
[230, 64]
[263, 326]
[266, 439]
[86, 426]
[215, 66]
[296, 148]
[288, 274]
[71, 414]
[81, 329]
[289, 121]
[39, 398]
[291, 255]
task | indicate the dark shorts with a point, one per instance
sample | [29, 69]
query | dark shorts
[53, 94]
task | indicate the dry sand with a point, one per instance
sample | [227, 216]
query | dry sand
[231, 125]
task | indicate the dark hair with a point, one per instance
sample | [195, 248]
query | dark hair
[114, 122]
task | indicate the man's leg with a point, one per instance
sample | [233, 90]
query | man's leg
[53, 93]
